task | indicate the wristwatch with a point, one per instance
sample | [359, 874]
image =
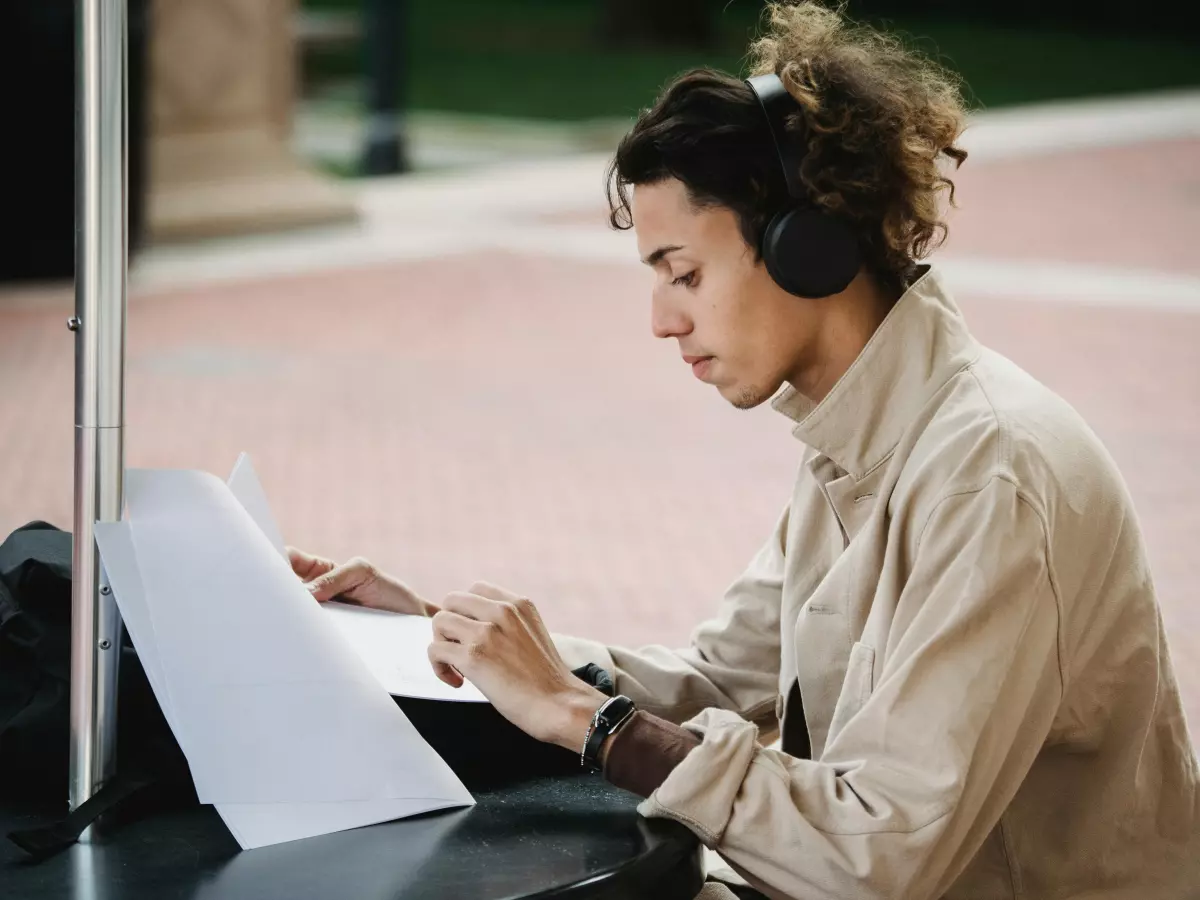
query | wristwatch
[608, 719]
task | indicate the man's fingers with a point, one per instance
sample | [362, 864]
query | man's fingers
[341, 580]
[483, 609]
[472, 606]
[307, 566]
[492, 592]
[443, 656]
[451, 626]
[456, 641]
[501, 607]
[523, 605]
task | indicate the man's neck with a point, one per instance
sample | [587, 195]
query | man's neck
[851, 320]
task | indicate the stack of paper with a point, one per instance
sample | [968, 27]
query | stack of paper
[287, 730]
[393, 647]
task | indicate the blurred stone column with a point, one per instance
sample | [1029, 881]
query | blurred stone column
[222, 86]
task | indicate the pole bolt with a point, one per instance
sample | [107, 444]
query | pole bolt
[105, 590]
[105, 644]
[73, 323]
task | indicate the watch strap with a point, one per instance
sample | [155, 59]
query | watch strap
[609, 718]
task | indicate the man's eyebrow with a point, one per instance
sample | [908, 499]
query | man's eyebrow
[657, 256]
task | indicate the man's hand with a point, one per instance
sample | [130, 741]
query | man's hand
[497, 641]
[357, 582]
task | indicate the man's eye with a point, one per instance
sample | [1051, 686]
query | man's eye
[686, 280]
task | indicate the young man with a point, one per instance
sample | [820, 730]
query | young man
[952, 628]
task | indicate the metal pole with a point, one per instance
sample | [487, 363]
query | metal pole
[99, 324]
[386, 38]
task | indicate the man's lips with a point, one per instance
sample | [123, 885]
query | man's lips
[699, 365]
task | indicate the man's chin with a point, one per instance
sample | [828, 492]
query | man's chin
[743, 397]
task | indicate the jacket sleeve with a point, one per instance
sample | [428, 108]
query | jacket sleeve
[930, 751]
[731, 663]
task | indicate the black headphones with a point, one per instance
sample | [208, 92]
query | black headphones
[808, 252]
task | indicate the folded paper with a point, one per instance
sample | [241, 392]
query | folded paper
[287, 731]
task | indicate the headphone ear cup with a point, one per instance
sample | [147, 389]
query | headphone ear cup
[810, 253]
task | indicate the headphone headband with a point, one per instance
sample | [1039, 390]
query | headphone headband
[776, 104]
[807, 252]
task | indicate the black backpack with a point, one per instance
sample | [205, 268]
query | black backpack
[35, 654]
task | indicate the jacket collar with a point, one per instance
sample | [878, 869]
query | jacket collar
[919, 346]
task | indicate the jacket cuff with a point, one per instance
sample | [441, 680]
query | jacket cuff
[701, 790]
[645, 752]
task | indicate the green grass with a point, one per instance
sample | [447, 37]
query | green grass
[541, 59]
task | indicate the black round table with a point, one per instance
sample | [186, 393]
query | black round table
[571, 837]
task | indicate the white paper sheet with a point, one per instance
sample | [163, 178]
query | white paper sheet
[246, 487]
[115, 540]
[252, 825]
[285, 729]
[395, 649]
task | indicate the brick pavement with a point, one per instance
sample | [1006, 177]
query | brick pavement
[508, 416]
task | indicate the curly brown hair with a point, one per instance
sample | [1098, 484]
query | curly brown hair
[876, 120]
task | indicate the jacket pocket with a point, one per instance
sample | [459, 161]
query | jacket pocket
[856, 689]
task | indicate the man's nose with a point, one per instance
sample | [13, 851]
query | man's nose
[666, 318]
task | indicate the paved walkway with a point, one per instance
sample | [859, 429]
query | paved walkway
[465, 385]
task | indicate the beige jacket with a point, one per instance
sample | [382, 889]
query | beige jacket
[961, 587]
